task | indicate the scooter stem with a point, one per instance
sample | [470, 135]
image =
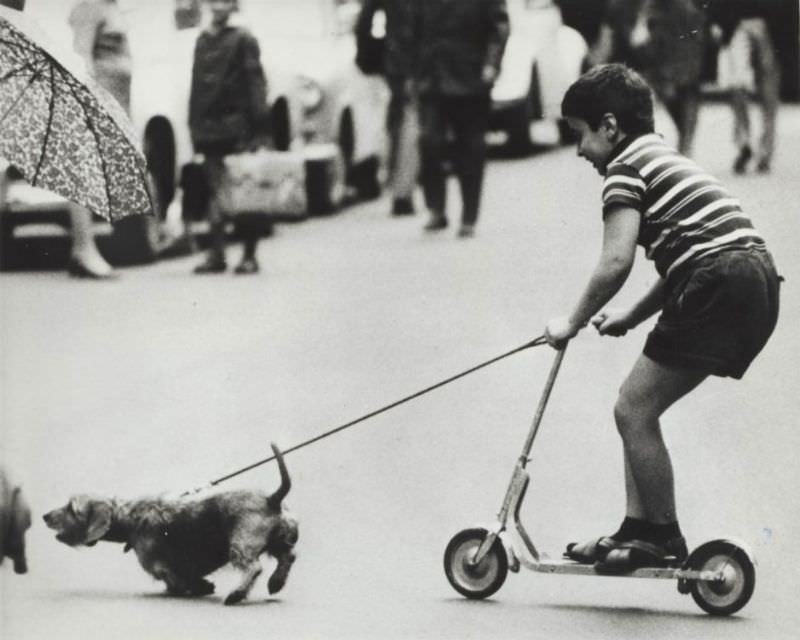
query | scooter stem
[537, 418]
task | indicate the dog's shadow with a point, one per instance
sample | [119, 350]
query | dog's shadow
[158, 596]
[215, 599]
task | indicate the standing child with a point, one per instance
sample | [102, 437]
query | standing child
[227, 114]
[717, 293]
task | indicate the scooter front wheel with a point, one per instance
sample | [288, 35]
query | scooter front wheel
[475, 580]
[737, 577]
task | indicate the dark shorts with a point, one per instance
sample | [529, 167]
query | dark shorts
[718, 317]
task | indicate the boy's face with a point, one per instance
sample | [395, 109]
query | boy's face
[596, 145]
[221, 10]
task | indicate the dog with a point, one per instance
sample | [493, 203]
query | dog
[15, 520]
[182, 541]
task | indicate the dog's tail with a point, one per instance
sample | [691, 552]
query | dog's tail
[274, 501]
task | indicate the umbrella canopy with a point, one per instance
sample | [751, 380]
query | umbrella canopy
[62, 130]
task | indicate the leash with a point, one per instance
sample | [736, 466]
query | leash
[533, 343]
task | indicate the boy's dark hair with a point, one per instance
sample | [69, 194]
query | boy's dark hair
[611, 88]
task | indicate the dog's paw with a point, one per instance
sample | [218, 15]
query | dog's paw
[235, 596]
[275, 583]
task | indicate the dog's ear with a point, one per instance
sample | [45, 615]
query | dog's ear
[95, 513]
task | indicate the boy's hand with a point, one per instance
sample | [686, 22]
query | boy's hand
[613, 322]
[559, 331]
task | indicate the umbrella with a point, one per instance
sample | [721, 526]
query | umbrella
[62, 130]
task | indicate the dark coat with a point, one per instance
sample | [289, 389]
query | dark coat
[456, 39]
[673, 55]
[228, 100]
[396, 51]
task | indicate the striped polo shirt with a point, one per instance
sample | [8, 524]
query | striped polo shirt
[686, 213]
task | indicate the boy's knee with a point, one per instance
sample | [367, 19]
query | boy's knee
[623, 416]
[628, 416]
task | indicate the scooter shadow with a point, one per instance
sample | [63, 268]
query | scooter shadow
[627, 613]
[610, 613]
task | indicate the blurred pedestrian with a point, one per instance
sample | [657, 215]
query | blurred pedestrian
[460, 48]
[664, 40]
[395, 62]
[227, 114]
[748, 64]
[85, 259]
[100, 37]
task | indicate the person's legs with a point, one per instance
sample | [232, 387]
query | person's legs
[768, 82]
[247, 228]
[470, 118]
[432, 150]
[215, 259]
[650, 389]
[85, 259]
[741, 128]
[740, 82]
[403, 129]
[688, 112]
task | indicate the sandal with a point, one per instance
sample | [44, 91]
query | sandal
[591, 551]
[636, 554]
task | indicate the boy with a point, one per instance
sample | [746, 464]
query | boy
[227, 114]
[717, 293]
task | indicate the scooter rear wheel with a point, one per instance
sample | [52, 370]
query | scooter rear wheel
[726, 596]
[475, 580]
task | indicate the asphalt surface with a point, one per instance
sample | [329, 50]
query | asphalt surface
[163, 380]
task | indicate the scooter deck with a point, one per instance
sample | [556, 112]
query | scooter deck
[576, 568]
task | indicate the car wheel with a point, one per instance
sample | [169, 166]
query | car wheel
[520, 140]
[138, 239]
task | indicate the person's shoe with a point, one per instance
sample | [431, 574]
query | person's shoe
[763, 165]
[466, 231]
[590, 551]
[740, 164]
[80, 269]
[436, 223]
[211, 265]
[402, 207]
[636, 554]
[246, 266]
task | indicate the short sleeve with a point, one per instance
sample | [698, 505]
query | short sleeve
[624, 187]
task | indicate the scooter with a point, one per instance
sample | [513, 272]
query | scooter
[720, 574]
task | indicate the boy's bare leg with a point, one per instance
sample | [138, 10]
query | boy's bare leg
[633, 503]
[650, 389]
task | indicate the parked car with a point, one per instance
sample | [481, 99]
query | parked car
[543, 57]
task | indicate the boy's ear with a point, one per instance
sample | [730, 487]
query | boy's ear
[609, 125]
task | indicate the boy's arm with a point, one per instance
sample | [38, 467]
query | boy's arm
[620, 231]
[617, 323]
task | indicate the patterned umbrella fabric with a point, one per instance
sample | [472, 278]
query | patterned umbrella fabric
[62, 130]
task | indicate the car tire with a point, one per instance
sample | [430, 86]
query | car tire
[519, 140]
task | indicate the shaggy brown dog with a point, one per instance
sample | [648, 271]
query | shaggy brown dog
[15, 520]
[181, 541]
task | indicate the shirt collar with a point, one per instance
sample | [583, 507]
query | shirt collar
[621, 146]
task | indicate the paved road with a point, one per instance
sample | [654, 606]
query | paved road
[164, 380]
